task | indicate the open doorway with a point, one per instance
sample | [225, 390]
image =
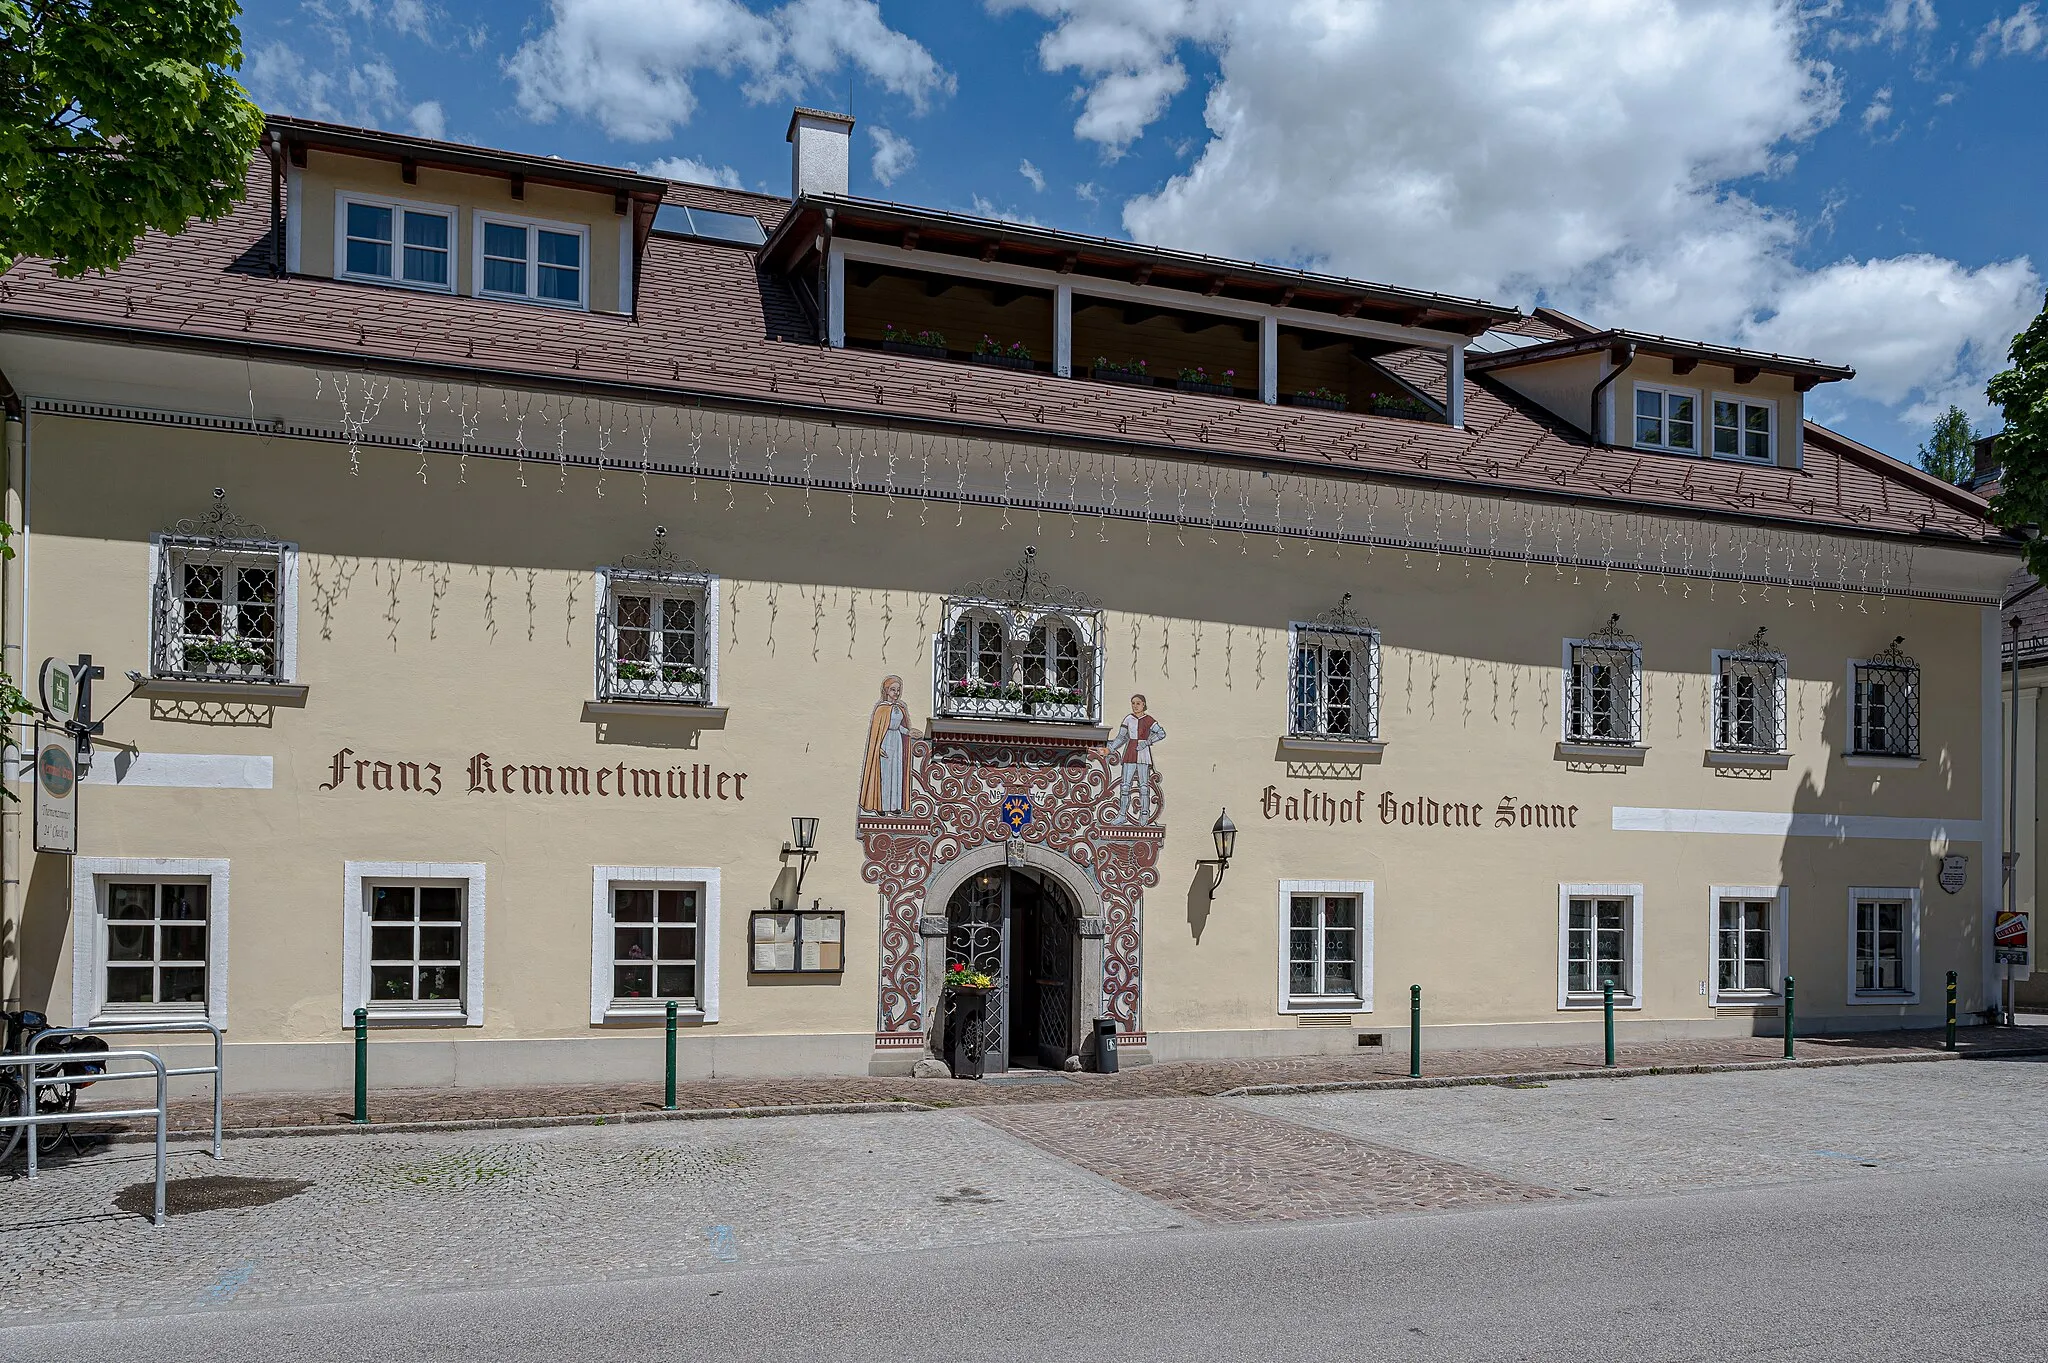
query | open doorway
[1021, 927]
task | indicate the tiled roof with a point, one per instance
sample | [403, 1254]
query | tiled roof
[713, 328]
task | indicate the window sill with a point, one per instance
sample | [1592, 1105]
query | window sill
[640, 1013]
[1589, 1003]
[1855, 759]
[1620, 754]
[114, 1016]
[1775, 761]
[384, 282]
[257, 692]
[703, 716]
[531, 301]
[1363, 749]
[1325, 1006]
[1880, 1000]
[1744, 1002]
[435, 1018]
[1055, 730]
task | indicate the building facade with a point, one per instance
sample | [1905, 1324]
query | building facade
[490, 558]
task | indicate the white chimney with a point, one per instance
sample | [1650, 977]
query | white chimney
[820, 146]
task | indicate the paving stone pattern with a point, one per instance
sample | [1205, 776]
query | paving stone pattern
[1180, 1079]
[1222, 1164]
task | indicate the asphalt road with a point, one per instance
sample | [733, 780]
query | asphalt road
[1914, 1266]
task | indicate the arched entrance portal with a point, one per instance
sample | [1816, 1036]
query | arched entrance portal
[1019, 925]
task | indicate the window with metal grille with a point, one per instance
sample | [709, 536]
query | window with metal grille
[654, 944]
[1603, 688]
[657, 631]
[416, 948]
[1885, 706]
[976, 658]
[1743, 956]
[1333, 682]
[1322, 946]
[1749, 698]
[1884, 946]
[156, 947]
[1597, 946]
[1019, 647]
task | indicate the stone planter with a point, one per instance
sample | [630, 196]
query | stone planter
[1006, 362]
[1320, 404]
[1220, 390]
[927, 352]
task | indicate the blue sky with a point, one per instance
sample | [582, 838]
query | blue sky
[1866, 183]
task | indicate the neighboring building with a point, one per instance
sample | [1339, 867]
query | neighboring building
[508, 549]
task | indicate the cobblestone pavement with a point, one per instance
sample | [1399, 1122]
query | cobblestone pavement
[1667, 1134]
[1222, 1164]
[1183, 1079]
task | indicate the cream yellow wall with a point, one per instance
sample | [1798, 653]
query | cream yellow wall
[1710, 381]
[1564, 388]
[454, 615]
[327, 174]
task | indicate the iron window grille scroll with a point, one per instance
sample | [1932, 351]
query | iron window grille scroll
[1603, 688]
[1749, 698]
[1019, 647]
[218, 606]
[1333, 677]
[1886, 704]
[653, 633]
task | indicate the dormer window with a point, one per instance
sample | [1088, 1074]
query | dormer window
[391, 241]
[1745, 429]
[1018, 648]
[541, 262]
[1667, 419]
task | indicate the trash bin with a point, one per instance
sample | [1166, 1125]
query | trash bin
[1105, 1045]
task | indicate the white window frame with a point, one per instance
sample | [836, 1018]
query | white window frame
[1632, 927]
[1667, 392]
[89, 879]
[1331, 1003]
[1364, 645]
[1635, 682]
[1781, 734]
[531, 226]
[1742, 428]
[603, 880]
[704, 586]
[355, 940]
[165, 558]
[1781, 898]
[399, 207]
[1853, 748]
[1911, 966]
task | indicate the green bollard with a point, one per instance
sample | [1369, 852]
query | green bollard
[1607, 1007]
[1788, 1017]
[668, 1099]
[1951, 1011]
[362, 1065]
[1414, 1031]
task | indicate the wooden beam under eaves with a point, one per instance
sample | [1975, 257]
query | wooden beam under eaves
[1287, 297]
[1068, 262]
[1143, 275]
[1684, 364]
[518, 185]
[1805, 383]
[1746, 373]
[1215, 287]
[1351, 307]
[910, 238]
[619, 202]
[988, 252]
[408, 170]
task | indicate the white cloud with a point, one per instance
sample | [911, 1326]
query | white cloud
[1878, 110]
[986, 208]
[2022, 33]
[366, 93]
[1891, 24]
[1502, 150]
[693, 171]
[628, 64]
[1126, 52]
[407, 16]
[1088, 192]
[1032, 174]
[893, 155]
[428, 119]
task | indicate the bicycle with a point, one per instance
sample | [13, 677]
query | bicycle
[51, 1099]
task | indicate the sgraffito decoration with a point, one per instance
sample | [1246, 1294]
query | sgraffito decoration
[963, 793]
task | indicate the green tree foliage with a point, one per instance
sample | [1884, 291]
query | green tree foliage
[2022, 391]
[117, 116]
[1950, 454]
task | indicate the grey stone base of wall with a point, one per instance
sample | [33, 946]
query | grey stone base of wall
[412, 1061]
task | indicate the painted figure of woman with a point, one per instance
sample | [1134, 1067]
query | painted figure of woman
[889, 734]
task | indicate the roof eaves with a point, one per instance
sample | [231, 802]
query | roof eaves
[354, 141]
[1667, 346]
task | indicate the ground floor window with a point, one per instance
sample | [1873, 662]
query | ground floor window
[1884, 945]
[151, 939]
[654, 941]
[1599, 943]
[1748, 943]
[412, 942]
[1325, 945]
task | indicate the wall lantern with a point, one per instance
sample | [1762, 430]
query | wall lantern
[1225, 834]
[803, 845]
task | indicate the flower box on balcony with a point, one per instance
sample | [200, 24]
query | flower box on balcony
[1020, 362]
[1406, 408]
[1221, 390]
[1336, 404]
[1121, 376]
[929, 352]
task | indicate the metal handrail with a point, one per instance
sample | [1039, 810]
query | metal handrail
[217, 1069]
[29, 1118]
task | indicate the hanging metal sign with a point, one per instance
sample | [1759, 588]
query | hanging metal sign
[57, 687]
[56, 792]
[2009, 938]
[1955, 873]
